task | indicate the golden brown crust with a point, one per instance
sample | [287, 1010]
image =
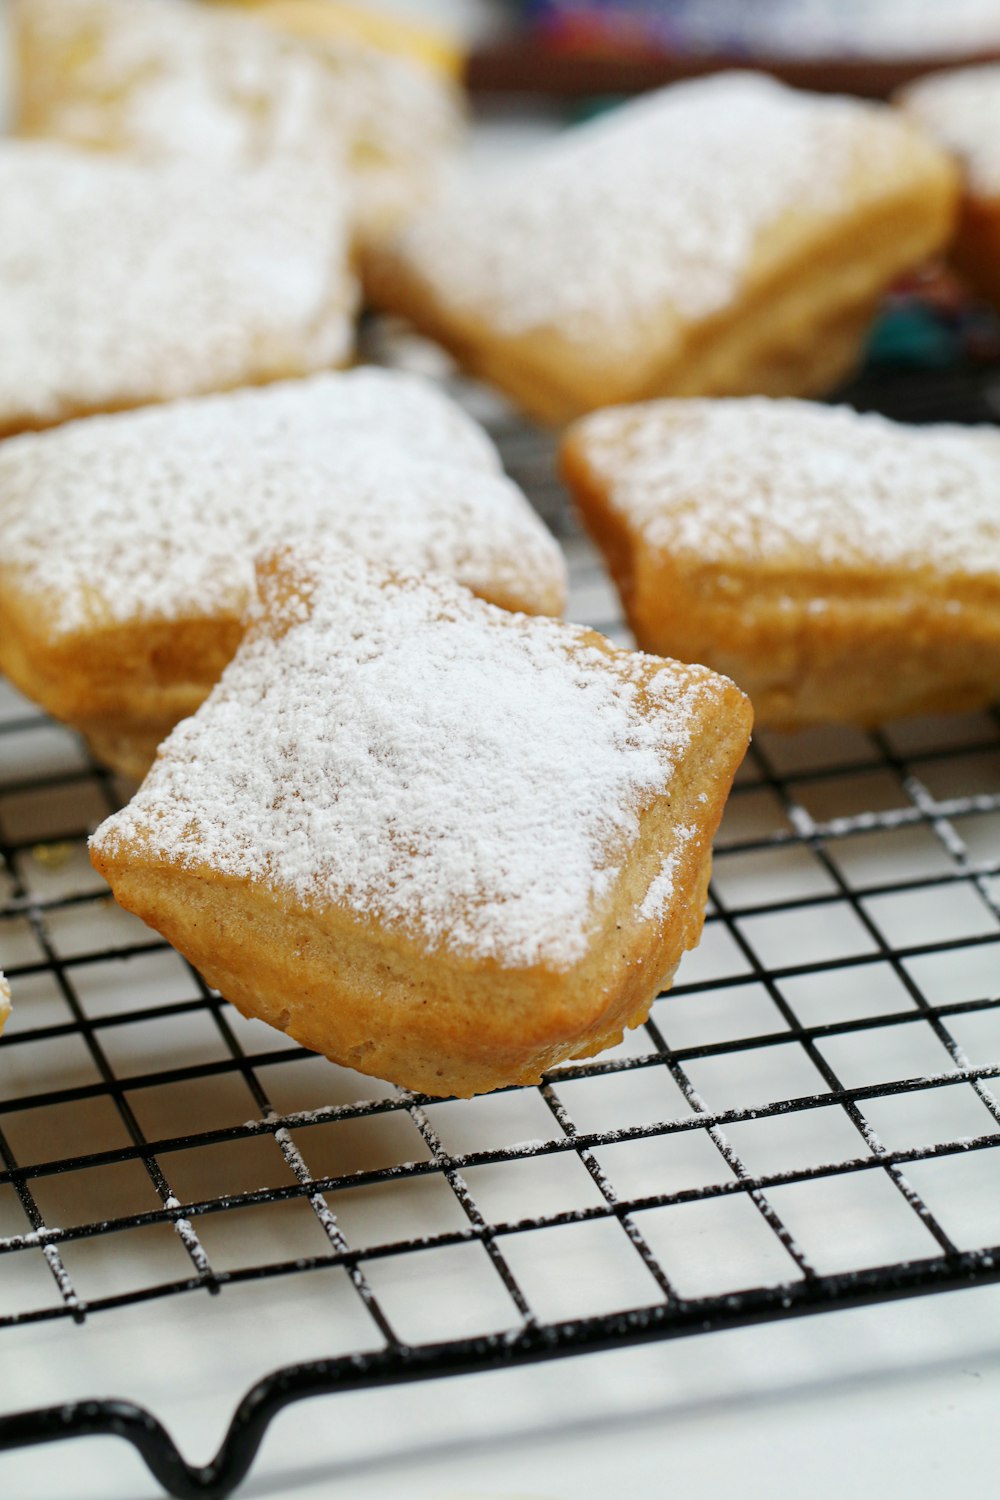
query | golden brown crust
[809, 641]
[975, 252]
[123, 687]
[366, 999]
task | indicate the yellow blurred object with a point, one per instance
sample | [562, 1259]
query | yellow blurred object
[431, 48]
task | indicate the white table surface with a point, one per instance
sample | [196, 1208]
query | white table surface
[895, 1400]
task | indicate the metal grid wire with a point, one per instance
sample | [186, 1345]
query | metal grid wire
[809, 1119]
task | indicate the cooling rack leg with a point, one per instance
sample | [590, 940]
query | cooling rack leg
[77, 1419]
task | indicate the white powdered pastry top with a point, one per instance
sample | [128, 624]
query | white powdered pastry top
[758, 482]
[176, 80]
[469, 777]
[159, 513]
[962, 110]
[660, 203]
[4, 1001]
[121, 283]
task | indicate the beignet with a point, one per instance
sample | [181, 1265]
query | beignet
[724, 236]
[174, 80]
[961, 109]
[839, 567]
[127, 542]
[122, 284]
[440, 843]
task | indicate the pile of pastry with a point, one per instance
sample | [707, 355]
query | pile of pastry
[391, 803]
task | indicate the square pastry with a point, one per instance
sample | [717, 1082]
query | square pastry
[440, 843]
[961, 110]
[839, 567]
[172, 80]
[720, 237]
[127, 541]
[122, 284]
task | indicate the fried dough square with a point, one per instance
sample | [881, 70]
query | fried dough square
[838, 566]
[961, 110]
[440, 843]
[127, 542]
[121, 284]
[176, 81]
[720, 237]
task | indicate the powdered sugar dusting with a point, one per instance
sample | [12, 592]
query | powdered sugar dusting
[657, 899]
[764, 483]
[121, 283]
[180, 81]
[962, 110]
[660, 203]
[62, 1278]
[158, 514]
[472, 777]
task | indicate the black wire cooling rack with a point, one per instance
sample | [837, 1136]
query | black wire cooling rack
[808, 1121]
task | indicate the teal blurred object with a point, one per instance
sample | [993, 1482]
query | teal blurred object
[934, 327]
[912, 333]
